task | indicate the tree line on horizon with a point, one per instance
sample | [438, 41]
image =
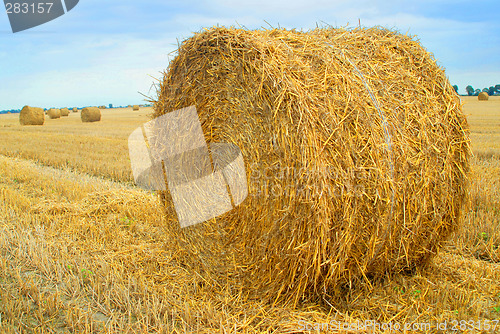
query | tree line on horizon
[493, 90]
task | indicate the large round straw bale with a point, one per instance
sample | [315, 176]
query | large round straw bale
[75, 109]
[483, 96]
[90, 114]
[355, 146]
[31, 116]
[64, 112]
[135, 107]
[54, 113]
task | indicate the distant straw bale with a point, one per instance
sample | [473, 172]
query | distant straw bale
[135, 107]
[102, 107]
[356, 153]
[54, 113]
[75, 109]
[483, 96]
[31, 116]
[90, 114]
[64, 112]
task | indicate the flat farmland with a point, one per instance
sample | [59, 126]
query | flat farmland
[99, 148]
[82, 250]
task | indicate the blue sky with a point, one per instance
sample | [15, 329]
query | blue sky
[110, 51]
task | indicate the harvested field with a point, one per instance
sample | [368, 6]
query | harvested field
[66, 235]
[83, 250]
[74, 144]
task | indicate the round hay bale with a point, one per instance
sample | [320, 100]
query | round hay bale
[75, 109]
[54, 113]
[90, 114]
[135, 107]
[355, 147]
[31, 116]
[64, 112]
[102, 107]
[483, 96]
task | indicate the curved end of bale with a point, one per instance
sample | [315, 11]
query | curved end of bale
[31, 116]
[90, 114]
[483, 96]
[54, 113]
[64, 112]
[339, 186]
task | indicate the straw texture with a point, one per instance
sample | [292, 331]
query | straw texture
[54, 113]
[90, 114]
[31, 116]
[356, 154]
[483, 96]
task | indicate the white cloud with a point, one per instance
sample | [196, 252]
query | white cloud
[107, 59]
[108, 71]
[80, 87]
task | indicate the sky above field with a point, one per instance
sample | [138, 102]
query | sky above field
[113, 51]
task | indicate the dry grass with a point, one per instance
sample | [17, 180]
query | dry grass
[87, 255]
[76, 145]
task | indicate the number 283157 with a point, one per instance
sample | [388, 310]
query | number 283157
[26, 8]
